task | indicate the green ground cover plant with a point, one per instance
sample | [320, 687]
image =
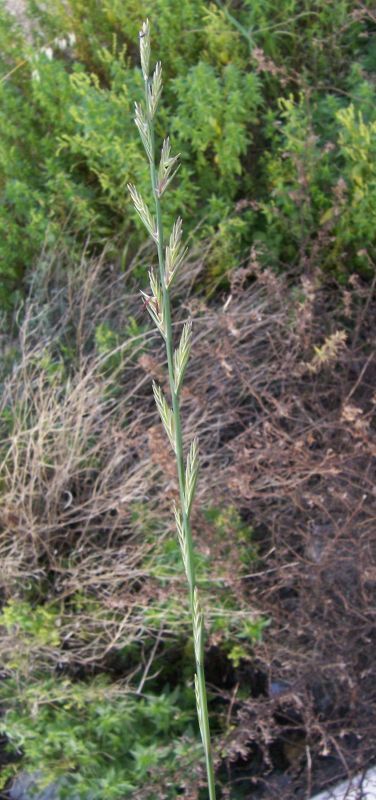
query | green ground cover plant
[68, 147]
[92, 577]
[92, 580]
[83, 736]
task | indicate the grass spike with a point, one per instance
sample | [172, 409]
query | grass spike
[170, 258]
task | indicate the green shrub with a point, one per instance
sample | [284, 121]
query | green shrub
[314, 41]
[322, 186]
[98, 737]
[68, 144]
[98, 740]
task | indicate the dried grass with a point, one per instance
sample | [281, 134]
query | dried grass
[293, 448]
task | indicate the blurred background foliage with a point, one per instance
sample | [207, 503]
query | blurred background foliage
[272, 110]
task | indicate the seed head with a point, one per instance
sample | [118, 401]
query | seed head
[145, 48]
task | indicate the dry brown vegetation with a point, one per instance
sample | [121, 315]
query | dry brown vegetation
[280, 390]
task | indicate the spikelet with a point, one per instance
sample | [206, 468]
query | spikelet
[181, 355]
[191, 472]
[144, 130]
[154, 304]
[155, 90]
[199, 711]
[198, 628]
[175, 252]
[182, 538]
[166, 171]
[165, 413]
[143, 211]
[145, 48]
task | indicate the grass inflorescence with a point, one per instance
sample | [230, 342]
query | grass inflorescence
[158, 303]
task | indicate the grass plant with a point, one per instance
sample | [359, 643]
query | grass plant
[158, 304]
[91, 576]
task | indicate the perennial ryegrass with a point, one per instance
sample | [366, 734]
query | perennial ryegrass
[170, 258]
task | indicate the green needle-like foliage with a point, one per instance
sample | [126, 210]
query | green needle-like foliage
[170, 259]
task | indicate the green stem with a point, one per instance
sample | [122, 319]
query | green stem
[191, 572]
[235, 22]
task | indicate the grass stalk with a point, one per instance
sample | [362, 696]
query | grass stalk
[158, 303]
